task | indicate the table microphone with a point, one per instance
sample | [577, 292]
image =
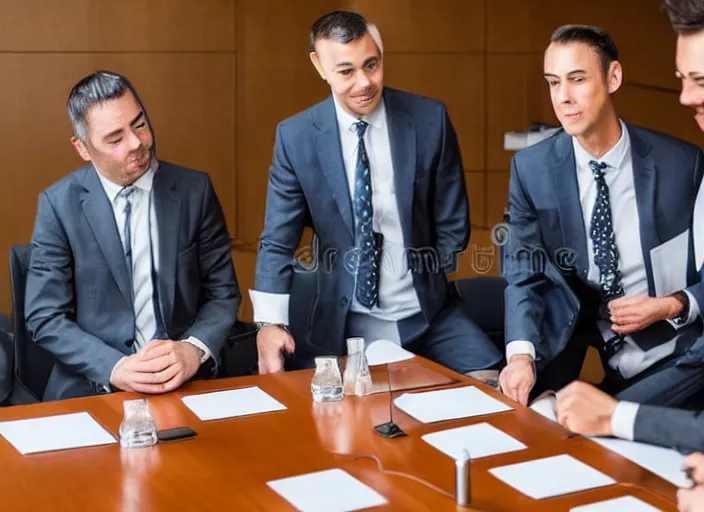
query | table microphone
[390, 430]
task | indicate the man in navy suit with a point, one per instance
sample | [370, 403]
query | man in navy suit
[378, 174]
[587, 410]
[599, 250]
[131, 284]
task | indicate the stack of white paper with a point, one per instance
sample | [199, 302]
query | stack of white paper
[333, 490]
[228, 404]
[552, 476]
[663, 462]
[55, 433]
[385, 352]
[623, 504]
[449, 404]
[480, 440]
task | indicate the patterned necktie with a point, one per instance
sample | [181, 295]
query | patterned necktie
[139, 257]
[605, 250]
[126, 194]
[367, 278]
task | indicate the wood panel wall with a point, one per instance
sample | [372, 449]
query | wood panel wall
[218, 75]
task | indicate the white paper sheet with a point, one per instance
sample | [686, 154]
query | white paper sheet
[622, 504]
[449, 404]
[333, 490]
[669, 262]
[386, 352]
[665, 463]
[546, 407]
[228, 404]
[480, 440]
[50, 433]
[552, 476]
[698, 223]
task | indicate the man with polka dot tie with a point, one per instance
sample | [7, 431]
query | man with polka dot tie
[610, 205]
[378, 174]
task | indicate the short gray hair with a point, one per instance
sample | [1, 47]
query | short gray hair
[95, 89]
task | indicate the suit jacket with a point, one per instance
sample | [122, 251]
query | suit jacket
[672, 428]
[308, 185]
[79, 300]
[545, 254]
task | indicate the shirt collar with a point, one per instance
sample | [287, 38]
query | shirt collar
[614, 157]
[346, 121]
[144, 182]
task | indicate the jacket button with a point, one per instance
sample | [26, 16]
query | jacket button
[343, 302]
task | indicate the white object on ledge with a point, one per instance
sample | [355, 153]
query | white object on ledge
[513, 141]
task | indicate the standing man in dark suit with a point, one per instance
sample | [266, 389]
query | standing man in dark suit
[131, 284]
[599, 250]
[587, 410]
[379, 173]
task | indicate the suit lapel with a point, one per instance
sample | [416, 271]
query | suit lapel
[645, 183]
[402, 138]
[564, 177]
[327, 143]
[167, 209]
[101, 219]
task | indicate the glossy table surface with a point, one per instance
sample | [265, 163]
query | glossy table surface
[227, 466]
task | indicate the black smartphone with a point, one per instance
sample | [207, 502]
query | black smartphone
[173, 434]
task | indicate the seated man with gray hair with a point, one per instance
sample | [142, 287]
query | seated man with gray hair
[131, 284]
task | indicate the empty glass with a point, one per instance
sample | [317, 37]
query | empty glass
[137, 429]
[358, 380]
[327, 381]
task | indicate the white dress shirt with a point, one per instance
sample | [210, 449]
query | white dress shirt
[140, 224]
[397, 296]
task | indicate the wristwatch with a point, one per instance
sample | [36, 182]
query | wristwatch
[683, 299]
[271, 324]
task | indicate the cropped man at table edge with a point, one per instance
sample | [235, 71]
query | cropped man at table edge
[131, 284]
[585, 409]
[609, 206]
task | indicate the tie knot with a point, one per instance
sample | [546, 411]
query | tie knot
[597, 168]
[127, 192]
[361, 127]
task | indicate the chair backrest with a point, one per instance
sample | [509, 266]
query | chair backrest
[33, 364]
[483, 301]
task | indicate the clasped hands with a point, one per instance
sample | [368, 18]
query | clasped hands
[161, 366]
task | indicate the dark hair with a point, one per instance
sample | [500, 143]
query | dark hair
[597, 38]
[686, 16]
[341, 26]
[95, 89]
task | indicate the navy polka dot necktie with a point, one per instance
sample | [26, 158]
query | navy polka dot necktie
[605, 250]
[367, 277]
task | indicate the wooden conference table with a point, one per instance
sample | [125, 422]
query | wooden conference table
[227, 465]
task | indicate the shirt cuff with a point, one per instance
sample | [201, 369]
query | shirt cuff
[693, 308]
[199, 344]
[623, 420]
[271, 308]
[520, 347]
[109, 386]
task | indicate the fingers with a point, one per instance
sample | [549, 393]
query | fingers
[625, 319]
[516, 383]
[155, 349]
[686, 499]
[271, 363]
[696, 463]
[290, 345]
[625, 302]
[153, 365]
[175, 382]
[627, 329]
